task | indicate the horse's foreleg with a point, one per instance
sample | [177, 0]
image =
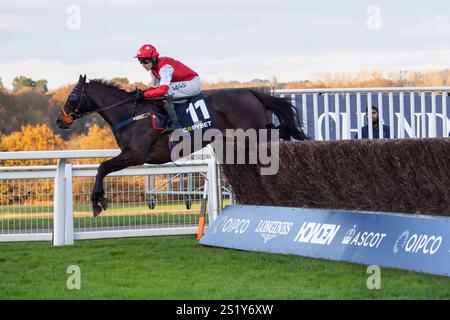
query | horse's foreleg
[120, 162]
[98, 194]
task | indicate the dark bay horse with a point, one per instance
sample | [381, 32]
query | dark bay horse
[140, 143]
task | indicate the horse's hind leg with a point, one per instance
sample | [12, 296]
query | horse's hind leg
[124, 160]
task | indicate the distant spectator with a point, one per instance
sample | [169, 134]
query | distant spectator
[375, 127]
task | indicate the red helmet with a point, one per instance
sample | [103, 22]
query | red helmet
[147, 51]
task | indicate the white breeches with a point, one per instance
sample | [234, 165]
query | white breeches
[184, 89]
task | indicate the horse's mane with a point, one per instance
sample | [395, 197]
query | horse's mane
[111, 85]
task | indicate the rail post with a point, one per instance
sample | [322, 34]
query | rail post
[68, 212]
[213, 201]
[59, 204]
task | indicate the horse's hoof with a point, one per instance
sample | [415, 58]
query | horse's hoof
[96, 210]
[104, 202]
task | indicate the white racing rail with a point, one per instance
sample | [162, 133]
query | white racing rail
[21, 188]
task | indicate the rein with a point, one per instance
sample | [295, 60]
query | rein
[74, 115]
[113, 105]
[69, 117]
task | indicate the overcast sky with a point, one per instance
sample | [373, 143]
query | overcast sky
[226, 40]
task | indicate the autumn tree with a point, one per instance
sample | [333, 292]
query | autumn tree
[96, 138]
[2, 147]
[26, 105]
[59, 96]
[10, 119]
[139, 85]
[125, 84]
[31, 107]
[123, 80]
[41, 86]
[21, 82]
[32, 138]
[29, 138]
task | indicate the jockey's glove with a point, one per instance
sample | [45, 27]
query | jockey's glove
[139, 95]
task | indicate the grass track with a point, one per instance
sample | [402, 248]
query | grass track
[25, 210]
[25, 218]
[177, 268]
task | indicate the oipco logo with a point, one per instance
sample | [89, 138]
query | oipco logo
[270, 229]
[232, 225]
[417, 243]
[317, 233]
[365, 239]
[401, 241]
[220, 223]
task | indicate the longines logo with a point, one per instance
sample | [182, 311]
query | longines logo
[270, 229]
[268, 237]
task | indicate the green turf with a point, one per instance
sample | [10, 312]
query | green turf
[113, 209]
[103, 221]
[177, 268]
[117, 207]
[116, 215]
[129, 220]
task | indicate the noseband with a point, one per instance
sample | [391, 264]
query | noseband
[71, 116]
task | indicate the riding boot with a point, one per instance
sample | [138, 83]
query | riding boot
[170, 110]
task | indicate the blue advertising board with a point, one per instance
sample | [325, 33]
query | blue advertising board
[410, 242]
[410, 129]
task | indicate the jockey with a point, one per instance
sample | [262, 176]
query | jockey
[169, 78]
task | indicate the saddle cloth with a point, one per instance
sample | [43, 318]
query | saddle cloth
[193, 113]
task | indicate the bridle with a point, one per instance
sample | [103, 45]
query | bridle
[71, 116]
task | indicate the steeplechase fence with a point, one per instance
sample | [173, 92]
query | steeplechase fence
[52, 202]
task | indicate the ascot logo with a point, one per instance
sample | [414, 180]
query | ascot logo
[349, 235]
[365, 239]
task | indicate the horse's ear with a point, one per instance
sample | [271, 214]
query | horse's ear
[80, 79]
[84, 79]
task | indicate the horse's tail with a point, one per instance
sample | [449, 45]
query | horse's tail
[290, 123]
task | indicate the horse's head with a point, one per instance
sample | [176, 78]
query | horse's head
[75, 106]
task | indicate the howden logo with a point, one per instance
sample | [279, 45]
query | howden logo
[317, 233]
